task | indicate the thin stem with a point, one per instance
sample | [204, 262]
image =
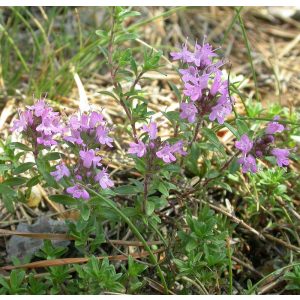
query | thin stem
[244, 33]
[276, 272]
[135, 231]
[196, 131]
[229, 265]
[145, 196]
[269, 120]
[113, 78]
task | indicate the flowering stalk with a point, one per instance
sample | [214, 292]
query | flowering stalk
[113, 72]
[85, 134]
[260, 147]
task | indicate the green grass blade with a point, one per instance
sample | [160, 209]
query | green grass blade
[247, 43]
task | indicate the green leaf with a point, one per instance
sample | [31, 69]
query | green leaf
[20, 146]
[126, 190]
[44, 168]
[4, 283]
[16, 278]
[15, 181]
[233, 130]
[242, 126]
[150, 208]
[23, 168]
[109, 94]
[175, 90]
[125, 37]
[133, 66]
[33, 181]
[7, 190]
[211, 136]
[64, 199]
[85, 212]
[4, 167]
[126, 13]
[53, 156]
[163, 189]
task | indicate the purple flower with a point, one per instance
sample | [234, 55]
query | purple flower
[151, 129]
[137, 148]
[166, 154]
[25, 119]
[84, 122]
[274, 127]
[244, 144]
[189, 74]
[46, 140]
[178, 148]
[281, 156]
[194, 91]
[89, 158]
[74, 123]
[248, 164]
[102, 135]
[39, 108]
[78, 192]
[95, 118]
[184, 55]
[221, 110]
[218, 84]
[103, 178]
[61, 171]
[75, 137]
[202, 55]
[188, 111]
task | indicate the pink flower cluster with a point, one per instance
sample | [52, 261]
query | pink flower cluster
[164, 151]
[260, 147]
[202, 98]
[40, 124]
[87, 133]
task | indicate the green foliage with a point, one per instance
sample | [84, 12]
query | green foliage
[97, 277]
[203, 246]
[293, 279]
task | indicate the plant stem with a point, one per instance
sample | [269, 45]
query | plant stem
[145, 196]
[229, 265]
[114, 82]
[136, 232]
[244, 33]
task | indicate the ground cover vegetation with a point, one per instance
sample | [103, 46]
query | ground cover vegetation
[163, 158]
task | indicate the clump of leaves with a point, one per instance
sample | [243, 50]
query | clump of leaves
[203, 248]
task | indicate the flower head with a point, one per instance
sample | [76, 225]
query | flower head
[244, 144]
[61, 171]
[188, 111]
[96, 119]
[102, 135]
[248, 164]
[218, 85]
[274, 127]
[221, 110]
[78, 192]
[25, 120]
[166, 154]
[184, 55]
[137, 148]
[103, 178]
[281, 156]
[189, 74]
[178, 148]
[89, 158]
[151, 129]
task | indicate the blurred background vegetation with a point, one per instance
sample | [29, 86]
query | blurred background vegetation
[41, 47]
